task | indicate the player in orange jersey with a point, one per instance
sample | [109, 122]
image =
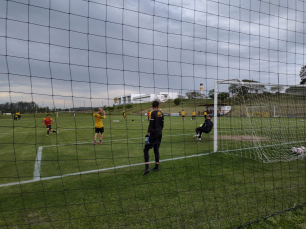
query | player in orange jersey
[47, 121]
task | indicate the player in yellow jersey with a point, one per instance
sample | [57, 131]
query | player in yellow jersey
[205, 115]
[183, 115]
[99, 125]
[124, 115]
[193, 115]
[18, 115]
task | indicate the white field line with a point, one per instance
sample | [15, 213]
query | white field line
[117, 140]
[97, 170]
[38, 131]
[264, 146]
[37, 166]
[38, 161]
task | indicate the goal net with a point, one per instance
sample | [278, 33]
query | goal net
[263, 111]
[68, 58]
[266, 120]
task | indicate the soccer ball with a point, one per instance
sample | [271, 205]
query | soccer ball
[293, 150]
[299, 151]
[303, 148]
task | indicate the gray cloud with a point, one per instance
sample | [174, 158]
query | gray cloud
[178, 48]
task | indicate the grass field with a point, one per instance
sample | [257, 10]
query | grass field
[195, 188]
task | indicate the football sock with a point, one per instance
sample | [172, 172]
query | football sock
[47, 132]
[54, 131]
[94, 141]
[100, 141]
[156, 166]
[147, 166]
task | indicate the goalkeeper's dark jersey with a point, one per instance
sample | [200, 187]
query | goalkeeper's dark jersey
[156, 123]
[207, 126]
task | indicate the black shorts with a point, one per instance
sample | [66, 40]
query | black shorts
[49, 126]
[99, 130]
[183, 116]
[203, 130]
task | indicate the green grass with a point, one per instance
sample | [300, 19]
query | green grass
[218, 190]
[295, 218]
[167, 107]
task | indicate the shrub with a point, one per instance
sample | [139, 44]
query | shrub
[177, 101]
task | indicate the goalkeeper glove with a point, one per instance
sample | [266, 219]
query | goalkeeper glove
[147, 138]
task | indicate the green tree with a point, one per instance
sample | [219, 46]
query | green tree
[223, 96]
[108, 108]
[303, 75]
[244, 89]
[177, 101]
[193, 95]
[211, 93]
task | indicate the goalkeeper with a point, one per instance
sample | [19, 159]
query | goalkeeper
[154, 136]
[206, 128]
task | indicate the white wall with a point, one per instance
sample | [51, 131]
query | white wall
[224, 109]
[135, 98]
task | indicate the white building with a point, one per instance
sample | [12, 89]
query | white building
[222, 107]
[145, 98]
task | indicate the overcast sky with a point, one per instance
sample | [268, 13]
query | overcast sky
[104, 49]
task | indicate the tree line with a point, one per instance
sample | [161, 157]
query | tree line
[23, 107]
[258, 88]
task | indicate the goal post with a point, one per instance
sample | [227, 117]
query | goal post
[216, 117]
[264, 120]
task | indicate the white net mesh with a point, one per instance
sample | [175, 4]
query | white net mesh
[262, 121]
[263, 111]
